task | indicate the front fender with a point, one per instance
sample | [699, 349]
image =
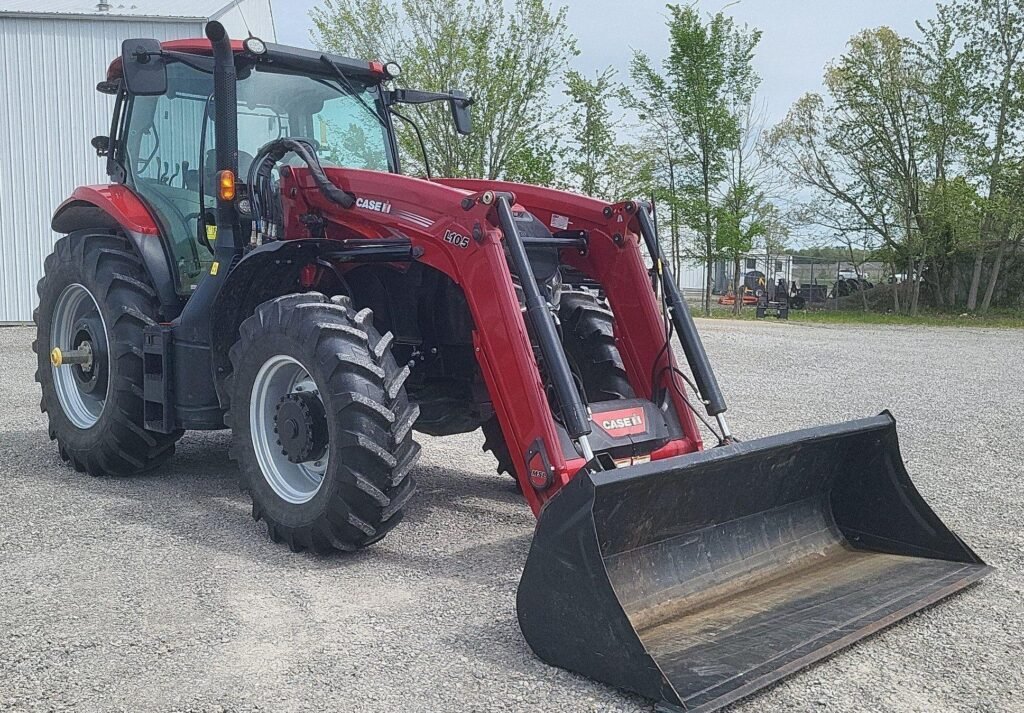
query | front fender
[269, 271]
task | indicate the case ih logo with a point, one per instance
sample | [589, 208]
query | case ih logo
[625, 422]
[379, 206]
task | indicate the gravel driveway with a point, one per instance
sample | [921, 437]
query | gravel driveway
[160, 593]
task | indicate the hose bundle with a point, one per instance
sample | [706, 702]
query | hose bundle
[266, 208]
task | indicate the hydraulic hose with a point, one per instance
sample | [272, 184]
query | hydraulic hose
[274, 151]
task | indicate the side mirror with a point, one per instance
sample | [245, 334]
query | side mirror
[145, 73]
[460, 112]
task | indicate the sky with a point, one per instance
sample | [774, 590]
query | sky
[799, 37]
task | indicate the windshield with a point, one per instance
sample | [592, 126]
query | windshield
[343, 122]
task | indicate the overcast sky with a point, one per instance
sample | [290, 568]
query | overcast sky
[799, 36]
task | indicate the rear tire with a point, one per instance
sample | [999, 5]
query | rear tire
[95, 284]
[357, 432]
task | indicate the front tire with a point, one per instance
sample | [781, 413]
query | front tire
[322, 425]
[95, 291]
[589, 340]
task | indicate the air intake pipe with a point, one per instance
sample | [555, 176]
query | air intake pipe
[197, 322]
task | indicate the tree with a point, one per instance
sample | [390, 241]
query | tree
[538, 160]
[993, 32]
[650, 164]
[507, 59]
[864, 153]
[708, 73]
[592, 131]
[744, 208]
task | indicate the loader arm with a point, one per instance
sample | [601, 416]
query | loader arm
[456, 231]
[613, 260]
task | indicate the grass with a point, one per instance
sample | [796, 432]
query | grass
[1003, 319]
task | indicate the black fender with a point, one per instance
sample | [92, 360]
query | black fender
[82, 215]
[270, 270]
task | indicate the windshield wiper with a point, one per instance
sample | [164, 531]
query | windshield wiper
[352, 90]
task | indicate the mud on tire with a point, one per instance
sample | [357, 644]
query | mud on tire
[366, 478]
[107, 267]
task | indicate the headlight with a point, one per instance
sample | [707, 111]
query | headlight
[254, 45]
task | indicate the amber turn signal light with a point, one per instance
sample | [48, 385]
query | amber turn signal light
[226, 185]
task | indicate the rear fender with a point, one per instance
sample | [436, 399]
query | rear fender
[116, 207]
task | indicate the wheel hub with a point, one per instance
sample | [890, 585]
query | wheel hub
[301, 427]
[91, 373]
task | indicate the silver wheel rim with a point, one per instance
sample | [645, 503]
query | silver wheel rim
[295, 483]
[82, 409]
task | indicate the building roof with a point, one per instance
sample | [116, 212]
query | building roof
[179, 9]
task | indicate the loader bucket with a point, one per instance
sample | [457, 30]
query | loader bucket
[700, 579]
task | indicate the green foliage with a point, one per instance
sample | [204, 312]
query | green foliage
[698, 94]
[537, 160]
[917, 143]
[833, 253]
[592, 130]
[507, 59]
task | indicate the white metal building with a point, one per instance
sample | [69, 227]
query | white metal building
[52, 54]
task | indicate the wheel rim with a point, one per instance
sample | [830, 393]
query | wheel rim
[279, 377]
[75, 305]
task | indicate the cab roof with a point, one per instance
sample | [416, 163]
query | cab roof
[284, 57]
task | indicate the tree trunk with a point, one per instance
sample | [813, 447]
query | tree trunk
[895, 290]
[993, 278]
[709, 265]
[860, 282]
[908, 290]
[709, 235]
[737, 291]
[939, 299]
[915, 294]
[972, 294]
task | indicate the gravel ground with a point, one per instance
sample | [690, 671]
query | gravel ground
[160, 593]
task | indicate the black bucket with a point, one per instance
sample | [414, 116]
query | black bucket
[698, 580]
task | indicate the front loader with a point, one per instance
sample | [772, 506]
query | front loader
[259, 262]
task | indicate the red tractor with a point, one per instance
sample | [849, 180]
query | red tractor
[259, 262]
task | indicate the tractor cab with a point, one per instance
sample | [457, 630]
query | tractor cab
[163, 142]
